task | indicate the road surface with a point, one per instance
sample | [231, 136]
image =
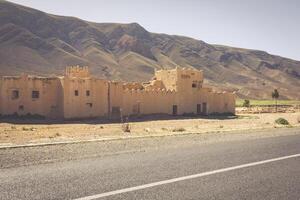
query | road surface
[186, 167]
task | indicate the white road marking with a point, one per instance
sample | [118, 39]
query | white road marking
[149, 185]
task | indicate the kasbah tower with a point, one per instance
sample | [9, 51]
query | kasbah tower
[78, 95]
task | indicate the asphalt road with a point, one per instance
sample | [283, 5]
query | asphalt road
[96, 174]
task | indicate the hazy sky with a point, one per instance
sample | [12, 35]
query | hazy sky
[270, 25]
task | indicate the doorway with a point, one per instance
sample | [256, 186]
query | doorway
[174, 110]
[199, 109]
[204, 108]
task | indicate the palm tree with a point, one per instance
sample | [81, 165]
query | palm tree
[275, 95]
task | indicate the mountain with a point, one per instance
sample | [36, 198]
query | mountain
[38, 43]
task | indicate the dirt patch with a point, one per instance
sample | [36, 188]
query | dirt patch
[35, 133]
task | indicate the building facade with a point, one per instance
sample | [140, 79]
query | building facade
[77, 94]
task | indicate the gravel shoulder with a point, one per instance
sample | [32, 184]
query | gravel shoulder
[17, 157]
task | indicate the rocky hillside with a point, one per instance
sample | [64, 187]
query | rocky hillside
[35, 42]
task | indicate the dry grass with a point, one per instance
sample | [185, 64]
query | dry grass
[178, 129]
[239, 102]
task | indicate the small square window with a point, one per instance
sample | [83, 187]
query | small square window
[15, 94]
[35, 94]
[88, 93]
[76, 92]
[194, 85]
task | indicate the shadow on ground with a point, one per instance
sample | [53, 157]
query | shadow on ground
[142, 118]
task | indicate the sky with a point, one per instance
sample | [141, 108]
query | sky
[269, 25]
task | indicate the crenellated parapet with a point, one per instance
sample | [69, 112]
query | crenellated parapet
[152, 92]
[77, 71]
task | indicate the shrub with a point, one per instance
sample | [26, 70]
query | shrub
[126, 127]
[178, 129]
[246, 103]
[29, 129]
[147, 129]
[282, 121]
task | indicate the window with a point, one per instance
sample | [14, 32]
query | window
[194, 85]
[35, 94]
[87, 93]
[89, 104]
[21, 107]
[15, 94]
[76, 93]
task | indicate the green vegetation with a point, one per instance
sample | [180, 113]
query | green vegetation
[275, 95]
[239, 102]
[247, 117]
[246, 103]
[282, 121]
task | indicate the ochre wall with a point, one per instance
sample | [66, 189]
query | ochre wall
[84, 106]
[148, 102]
[48, 104]
[177, 87]
[1, 95]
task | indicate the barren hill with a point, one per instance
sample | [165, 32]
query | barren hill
[35, 42]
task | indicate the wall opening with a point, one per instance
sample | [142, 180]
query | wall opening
[89, 104]
[15, 94]
[76, 93]
[87, 93]
[21, 107]
[175, 108]
[35, 94]
[199, 111]
[136, 110]
[116, 112]
[204, 108]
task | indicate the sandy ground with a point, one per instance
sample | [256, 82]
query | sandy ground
[22, 133]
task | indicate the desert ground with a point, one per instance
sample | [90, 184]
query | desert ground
[23, 132]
